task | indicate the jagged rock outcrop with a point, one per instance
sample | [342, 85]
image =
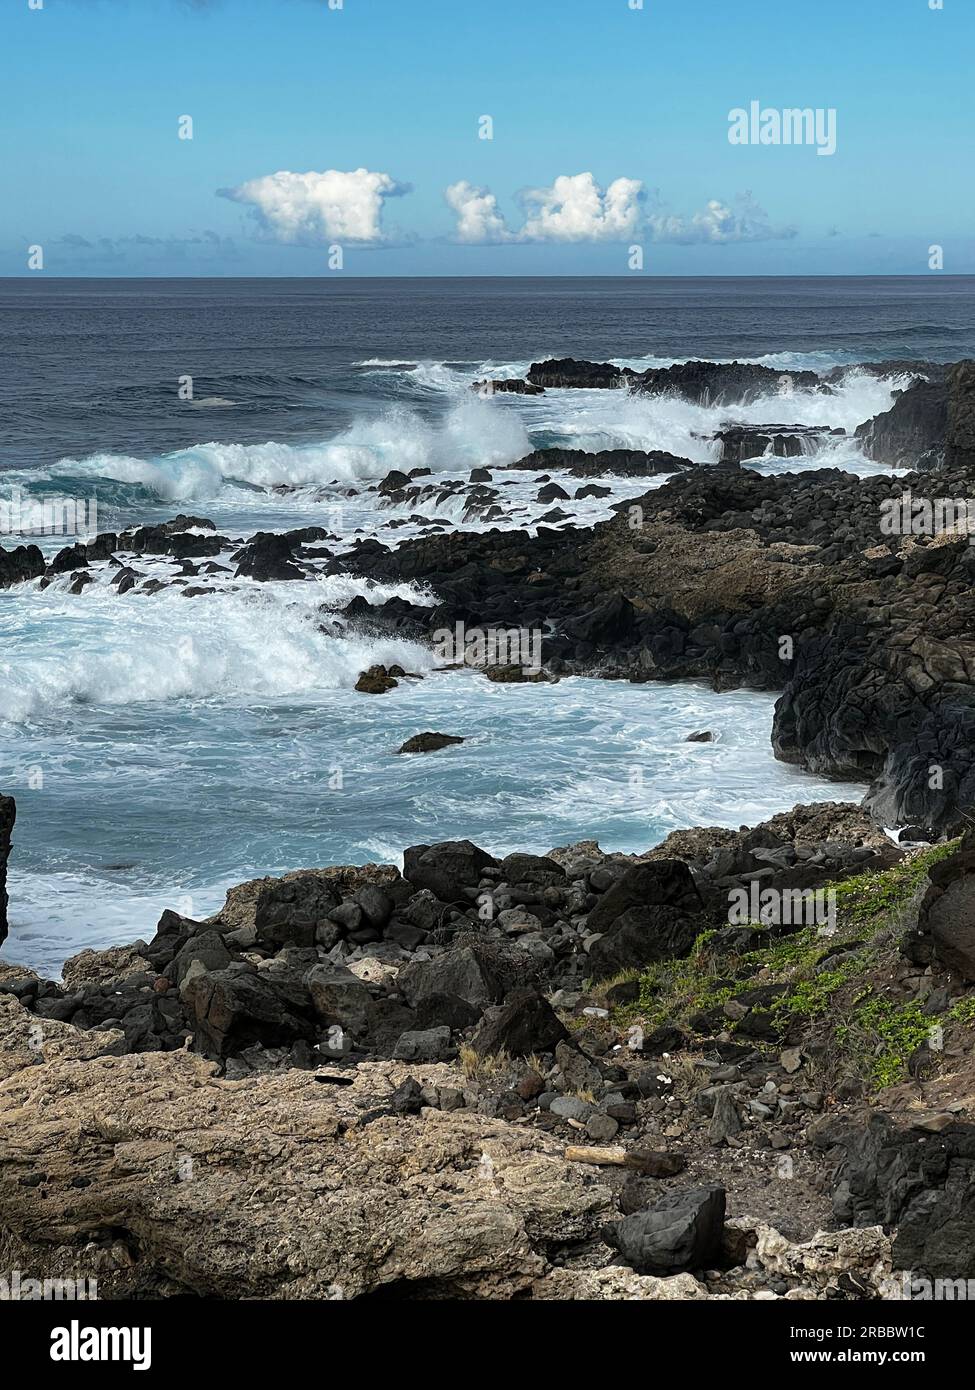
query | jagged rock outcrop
[8, 815]
[960, 432]
[920, 1182]
[725, 383]
[512, 385]
[22, 563]
[269, 557]
[945, 928]
[706, 383]
[739, 443]
[911, 434]
[620, 463]
[565, 372]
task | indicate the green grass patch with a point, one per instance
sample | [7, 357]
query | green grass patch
[963, 1011]
[868, 905]
[882, 1037]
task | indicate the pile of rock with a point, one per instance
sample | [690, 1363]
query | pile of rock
[460, 950]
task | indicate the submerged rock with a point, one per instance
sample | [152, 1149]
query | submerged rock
[376, 681]
[428, 743]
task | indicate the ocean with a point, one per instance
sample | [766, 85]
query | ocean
[162, 748]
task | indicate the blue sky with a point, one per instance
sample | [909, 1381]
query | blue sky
[610, 129]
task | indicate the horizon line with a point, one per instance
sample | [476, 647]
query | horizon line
[341, 276]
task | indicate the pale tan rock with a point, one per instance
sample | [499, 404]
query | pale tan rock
[10, 970]
[374, 972]
[89, 968]
[273, 1186]
[27, 1041]
[866, 1251]
[616, 1283]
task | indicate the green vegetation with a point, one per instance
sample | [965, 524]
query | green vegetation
[674, 988]
[867, 899]
[963, 1011]
[883, 1036]
[875, 1036]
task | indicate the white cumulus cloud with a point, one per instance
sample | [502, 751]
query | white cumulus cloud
[575, 208]
[315, 208]
[478, 219]
[717, 224]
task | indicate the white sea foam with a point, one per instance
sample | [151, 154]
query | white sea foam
[257, 641]
[472, 432]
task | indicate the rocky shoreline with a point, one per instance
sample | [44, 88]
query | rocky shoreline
[558, 1076]
[800, 584]
[576, 1074]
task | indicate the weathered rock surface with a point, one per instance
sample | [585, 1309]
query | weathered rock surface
[680, 1232]
[8, 815]
[945, 929]
[920, 1182]
[911, 433]
[169, 1179]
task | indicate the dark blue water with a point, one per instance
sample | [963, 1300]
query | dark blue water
[93, 365]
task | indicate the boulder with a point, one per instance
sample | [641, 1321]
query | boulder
[376, 681]
[71, 557]
[204, 951]
[375, 905]
[22, 563]
[920, 1182]
[434, 1010]
[428, 743]
[268, 557]
[681, 1232]
[552, 492]
[340, 999]
[446, 868]
[532, 869]
[523, 1024]
[233, 1008]
[465, 971]
[427, 1045]
[648, 883]
[640, 936]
